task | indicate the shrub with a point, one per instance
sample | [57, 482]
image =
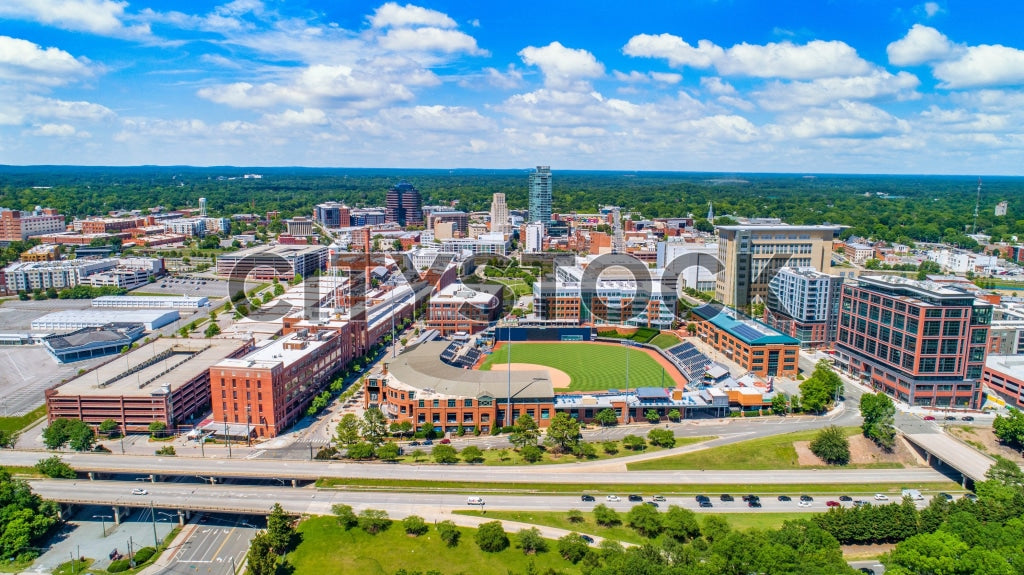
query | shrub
[373, 521]
[662, 438]
[414, 525]
[572, 547]
[490, 537]
[606, 516]
[346, 517]
[832, 446]
[166, 450]
[118, 566]
[144, 554]
[531, 453]
[530, 541]
[449, 533]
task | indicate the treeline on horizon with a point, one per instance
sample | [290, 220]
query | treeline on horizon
[892, 208]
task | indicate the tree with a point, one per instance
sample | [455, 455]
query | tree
[374, 427]
[346, 516]
[157, 429]
[878, 412]
[212, 330]
[8, 438]
[610, 447]
[55, 468]
[646, 520]
[662, 438]
[531, 453]
[831, 445]
[563, 432]
[572, 547]
[414, 525]
[634, 442]
[674, 415]
[109, 428]
[472, 454]
[348, 429]
[525, 432]
[491, 538]
[779, 404]
[445, 454]
[584, 451]
[530, 541]
[448, 532]
[1010, 429]
[280, 529]
[681, 524]
[1006, 472]
[373, 521]
[606, 417]
[652, 416]
[605, 515]
[926, 553]
[81, 436]
[261, 559]
[574, 516]
[389, 451]
[75, 432]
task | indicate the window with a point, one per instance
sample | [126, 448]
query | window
[951, 328]
[950, 346]
[437, 403]
[957, 312]
[930, 346]
[467, 403]
[421, 403]
[932, 327]
[948, 364]
[545, 414]
[899, 321]
[912, 325]
[926, 365]
[933, 312]
[979, 336]
[486, 402]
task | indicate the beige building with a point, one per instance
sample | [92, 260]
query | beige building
[752, 254]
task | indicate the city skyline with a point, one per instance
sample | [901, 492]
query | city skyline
[906, 87]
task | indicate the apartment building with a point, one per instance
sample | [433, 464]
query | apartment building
[751, 255]
[920, 342]
[804, 303]
[458, 307]
[754, 346]
[267, 262]
[612, 298]
[17, 226]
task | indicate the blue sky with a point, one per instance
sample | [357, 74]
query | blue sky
[844, 86]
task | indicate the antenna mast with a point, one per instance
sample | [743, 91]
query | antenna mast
[977, 202]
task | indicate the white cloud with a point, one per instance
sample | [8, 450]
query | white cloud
[391, 14]
[507, 80]
[635, 77]
[878, 84]
[562, 66]
[963, 121]
[63, 109]
[816, 59]
[983, 65]
[990, 100]
[932, 8]
[103, 17]
[58, 130]
[429, 40]
[24, 61]
[674, 49]
[921, 44]
[437, 119]
[220, 61]
[717, 87]
[844, 120]
[306, 117]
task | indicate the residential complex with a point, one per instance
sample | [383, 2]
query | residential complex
[804, 303]
[752, 254]
[921, 342]
[459, 308]
[17, 226]
[267, 262]
[540, 195]
[754, 346]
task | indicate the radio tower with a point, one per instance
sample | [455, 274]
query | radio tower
[977, 202]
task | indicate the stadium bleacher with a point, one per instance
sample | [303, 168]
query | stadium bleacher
[690, 361]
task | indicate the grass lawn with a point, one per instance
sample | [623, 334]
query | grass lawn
[591, 367]
[775, 452]
[624, 533]
[13, 424]
[511, 457]
[326, 548]
[665, 340]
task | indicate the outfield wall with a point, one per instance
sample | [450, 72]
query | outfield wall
[544, 334]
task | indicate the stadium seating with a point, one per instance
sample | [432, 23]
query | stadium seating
[690, 361]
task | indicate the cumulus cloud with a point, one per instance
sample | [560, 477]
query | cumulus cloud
[103, 17]
[391, 14]
[816, 59]
[24, 61]
[717, 87]
[509, 79]
[931, 9]
[437, 119]
[878, 84]
[57, 130]
[844, 120]
[429, 40]
[561, 66]
[921, 44]
[635, 77]
[305, 117]
[982, 65]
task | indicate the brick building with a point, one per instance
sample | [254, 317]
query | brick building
[16, 226]
[459, 308]
[753, 345]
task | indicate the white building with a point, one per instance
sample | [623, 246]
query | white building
[29, 276]
[124, 278]
[190, 227]
[961, 262]
[491, 243]
[499, 215]
[695, 262]
[71, 320]
[859, 253]
[534, 238]
[151, 302]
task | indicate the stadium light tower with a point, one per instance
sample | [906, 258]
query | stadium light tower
[508, 398]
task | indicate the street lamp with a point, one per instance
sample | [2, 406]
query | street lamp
[103, 522]
[248, 421]
[508, 402]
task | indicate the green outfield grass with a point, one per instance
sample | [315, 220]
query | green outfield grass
[591, 367]
[665, 340]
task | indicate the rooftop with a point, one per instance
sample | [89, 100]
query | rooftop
[146, 369]
[1012, 365]
[283, 351]
[100, 317]
[742, 327]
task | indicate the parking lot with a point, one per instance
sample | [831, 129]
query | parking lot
[205, 287]
[26, 372]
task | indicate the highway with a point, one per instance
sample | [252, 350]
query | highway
[568, 473]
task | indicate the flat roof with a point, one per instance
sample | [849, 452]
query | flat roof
[741, 327]
[1012, 365]
[86, 336]
[278, 352]
[124, 374]
[100, 317]
[421, 368]
[153, 298]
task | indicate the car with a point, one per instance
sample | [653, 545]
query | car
[635, 498]
[750, 497]
[929, 418]
[139, 491]
[701, 498]
[588, 539]
[845, 498]
[785, 498]
[967, 418]
[804, 504]
[612, 498]
[587, 498]
[950, 418]
[658, 498]
[970, 497]
[945, 496]
[754, 503]
[651, 503]
[445, 441]
[414, 443]
[861, 503]
[806, 498]
[706, 504]
[428, 442]
[867, 571]
[832, 503]
[474, 500]
[726, 497]
[881, 497]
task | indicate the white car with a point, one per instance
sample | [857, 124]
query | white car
[804, 503]
[881, 497]
[139, 491]
[612, 498]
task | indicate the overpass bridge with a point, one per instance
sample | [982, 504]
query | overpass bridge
[940, 450]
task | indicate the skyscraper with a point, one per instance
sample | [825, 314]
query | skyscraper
[499, 215]
[540, 195]
[403, 205]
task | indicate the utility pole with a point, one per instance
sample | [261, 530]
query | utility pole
[226, 436]
[156, 541]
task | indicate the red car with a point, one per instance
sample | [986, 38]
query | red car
[445, 441]
[929, 418]
[832, 503]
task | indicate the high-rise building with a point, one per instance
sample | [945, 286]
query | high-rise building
[534, 237]
[752, 254]
[540, 195]
[499, 215]
[403, 205]
[921, 342]
[332, 215]
[804, 303]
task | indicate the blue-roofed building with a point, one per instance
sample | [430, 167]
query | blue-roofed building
[753, 345]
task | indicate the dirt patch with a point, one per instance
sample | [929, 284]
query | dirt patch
[863, 451]
[864, 552]
[559, 379]
[984, 440]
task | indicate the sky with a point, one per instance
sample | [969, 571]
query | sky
[811, 86]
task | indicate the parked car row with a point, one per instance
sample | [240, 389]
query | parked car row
[754, 501]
